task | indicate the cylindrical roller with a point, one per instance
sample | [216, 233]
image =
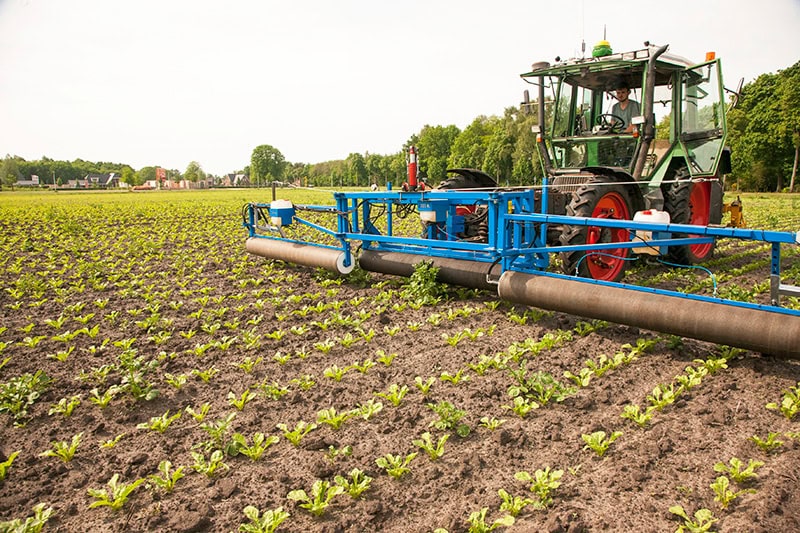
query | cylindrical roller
[302, 254]
[454, 271]
[750, 329]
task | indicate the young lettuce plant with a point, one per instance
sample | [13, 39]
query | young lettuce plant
[266, 522]
[256, 450]
[790, 403]
[209, 468]
[598, 442]
[322, 494]
[396, 465]
[633, 413]
[723, 495]
[491, 423]
[434, 451]
[738, 471]
[32, 524]
[477, 521]
[424, 386]
[332, 418]
[295, 436]
[514, 504]
[702, 522]
[542, 483]
[65, 406]
[394, 394]
[166, 481]
[449, 418]
[117, 494]
[63, 450]
[358, 483]
[159, 423]
[768, 445]
[5, 465]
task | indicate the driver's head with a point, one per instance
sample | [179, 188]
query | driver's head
[622, 90]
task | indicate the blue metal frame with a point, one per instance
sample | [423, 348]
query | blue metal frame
[517, 233]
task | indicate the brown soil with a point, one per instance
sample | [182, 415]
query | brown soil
[645, 472]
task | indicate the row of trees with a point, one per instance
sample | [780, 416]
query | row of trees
[501, 146]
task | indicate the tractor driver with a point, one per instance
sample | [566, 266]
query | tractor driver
[624, 108]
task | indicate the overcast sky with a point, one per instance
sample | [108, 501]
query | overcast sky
[166, 82]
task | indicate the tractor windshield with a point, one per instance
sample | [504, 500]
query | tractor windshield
[585, 132]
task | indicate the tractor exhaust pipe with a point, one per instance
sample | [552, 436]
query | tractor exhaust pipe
[749, 329]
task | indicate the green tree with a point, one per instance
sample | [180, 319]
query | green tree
[9, 172]
[763, 130]
[266, 164]
[146, 174]
[469, 148]
[128, 176]
[434, 145]
[194, 172]
[356, 170]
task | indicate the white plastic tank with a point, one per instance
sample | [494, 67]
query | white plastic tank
[649, 215]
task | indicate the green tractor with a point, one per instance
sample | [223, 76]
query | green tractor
[598, 165]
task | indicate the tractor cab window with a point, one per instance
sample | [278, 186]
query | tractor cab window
[701, 118]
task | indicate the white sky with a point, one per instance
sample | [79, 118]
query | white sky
[166, 82]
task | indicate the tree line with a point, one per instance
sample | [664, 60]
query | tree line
[764, 135]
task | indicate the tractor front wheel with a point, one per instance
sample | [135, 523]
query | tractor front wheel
[689, 203]
[597, 198]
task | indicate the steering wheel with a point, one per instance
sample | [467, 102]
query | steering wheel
[610, 122]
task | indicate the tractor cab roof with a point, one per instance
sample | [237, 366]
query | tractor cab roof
[604, 73]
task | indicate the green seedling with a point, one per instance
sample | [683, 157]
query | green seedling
[256, 450]
[209, 468]
[738, 471]
[166, 481]
[363, 367]
[663, 395]
[335, 420]
[491, 423]
[633, 413]
[449, 418]
[201, 412]
[102, 400]
[424, 386]
[334, 372]
[304, 382]
[477, 521]
[542, 483]
[456, 378]
[266, 522]
[217, 431]
[5, 465]
[65, 406]
[334, 452]
[176, 381]
[514, 504]
[598, 442]
[205, 375]
[521, 406]
[768, 445]
[63, 450]
[273, 391]
[110, 443]
[583, 377]
[296, 435]
[358, 483]
[369, 409]
[723, 495]
[385, 358]
[434, 451]
[239, 402]
[394, 394]
[702, 522]
[117, 494]
[790, 403]
[322, 493]
[32, 524]
[396, 465]
[160, 423]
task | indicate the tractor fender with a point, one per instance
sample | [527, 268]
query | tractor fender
[620, 176]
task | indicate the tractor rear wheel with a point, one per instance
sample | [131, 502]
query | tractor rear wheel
[598, 198]
[689, 203]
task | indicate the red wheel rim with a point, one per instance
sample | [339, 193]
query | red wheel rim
[699, 206]
[604, 267]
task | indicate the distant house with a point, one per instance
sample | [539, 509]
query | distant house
[234, 180]
[33, 182]
[109, 180]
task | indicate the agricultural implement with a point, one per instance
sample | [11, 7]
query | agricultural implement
[611, 193]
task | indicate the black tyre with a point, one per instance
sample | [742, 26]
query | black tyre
[688, 203]
[598, 198]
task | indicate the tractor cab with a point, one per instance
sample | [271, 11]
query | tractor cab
[683, 99]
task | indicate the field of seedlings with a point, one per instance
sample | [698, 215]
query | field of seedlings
[155, 377]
